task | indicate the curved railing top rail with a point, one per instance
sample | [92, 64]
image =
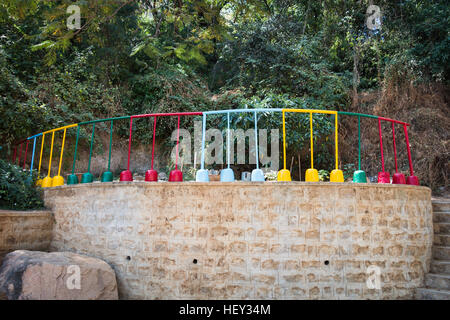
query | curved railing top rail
[218, 112]
[168, 114]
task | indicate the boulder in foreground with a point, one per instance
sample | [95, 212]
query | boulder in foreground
[36, 275]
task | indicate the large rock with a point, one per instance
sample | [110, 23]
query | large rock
[34, 275]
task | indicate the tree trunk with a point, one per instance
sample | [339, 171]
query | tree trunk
[306, 18]
[292, 162]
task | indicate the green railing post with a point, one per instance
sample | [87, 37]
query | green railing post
[110, 145]
[107, 176]
[359, 143]
[76, 149]
[90, 149]
[88, 177]
[73, 179]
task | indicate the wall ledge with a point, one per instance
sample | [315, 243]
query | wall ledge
[237, 183]
[15, 213]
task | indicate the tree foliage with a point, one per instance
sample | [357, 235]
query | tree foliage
[137, 56]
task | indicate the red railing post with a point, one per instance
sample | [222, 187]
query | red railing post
[381, 144]
[178, 141]
[411, 171]
[153, 142]
[20, 154]
[395, 146]
[129, 143]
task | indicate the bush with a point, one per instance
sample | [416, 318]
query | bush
[18, 190]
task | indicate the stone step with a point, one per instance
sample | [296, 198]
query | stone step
[441, 216]
[439, 205]
[441, 228]
[441, 240]
[432, 294]
[440, 266]
[437, 281]
[441, 252]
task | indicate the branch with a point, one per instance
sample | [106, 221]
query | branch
[105, 19]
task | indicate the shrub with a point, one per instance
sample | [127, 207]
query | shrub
[324, 175]
[18, 190]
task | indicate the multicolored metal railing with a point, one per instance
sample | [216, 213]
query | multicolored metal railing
[57, 180]
[312, 175]
[152, 175]
[227, 174]
[87, 177]
[34, 148]
[383, 176]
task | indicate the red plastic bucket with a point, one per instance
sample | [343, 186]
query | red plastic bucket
[398, 178]
[412, 180]
[175, 176]
[151, 175]
[383, 177]
[126, 176]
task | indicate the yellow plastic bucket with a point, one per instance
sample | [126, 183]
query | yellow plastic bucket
[47, 182]
[336, 176]
[57, 181]
[284, 175]
[312, 175]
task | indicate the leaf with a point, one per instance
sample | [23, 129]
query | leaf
[43, 45]
[137, 48]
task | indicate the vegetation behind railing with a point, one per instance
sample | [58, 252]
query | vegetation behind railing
[18, 190]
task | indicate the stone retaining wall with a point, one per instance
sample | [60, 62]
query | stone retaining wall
[243, 240]
[27, 230]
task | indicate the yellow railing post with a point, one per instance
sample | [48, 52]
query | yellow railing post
[284, 139]
[58, 180]
[336, 175]
[284, 174]
[336, 139]
[312, 140]
[39, 180]
[51, 154]
[62, 152]
[311, 175]
[47, 181]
